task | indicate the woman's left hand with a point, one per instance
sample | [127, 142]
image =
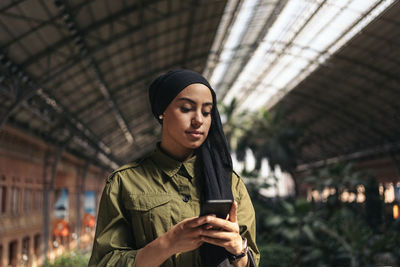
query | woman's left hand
[227, 235]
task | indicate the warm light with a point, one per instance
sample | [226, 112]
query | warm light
[395, 211]
[52, 256]
[60, 228]
[360, 194]
[89, 220]
[389, 193]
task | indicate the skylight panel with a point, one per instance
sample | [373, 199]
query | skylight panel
[233, 40]
[305, 34]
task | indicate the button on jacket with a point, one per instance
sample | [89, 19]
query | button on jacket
[143, 200]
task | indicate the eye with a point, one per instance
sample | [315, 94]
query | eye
[206, 112]
[185, 109]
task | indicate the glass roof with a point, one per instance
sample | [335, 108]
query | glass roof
[302, 36]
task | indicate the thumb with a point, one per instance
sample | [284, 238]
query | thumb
[233, 212]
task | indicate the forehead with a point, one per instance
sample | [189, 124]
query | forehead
[197, 92]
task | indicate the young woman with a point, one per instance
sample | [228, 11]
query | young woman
[149, 213]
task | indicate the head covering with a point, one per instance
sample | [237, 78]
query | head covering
[214, 156]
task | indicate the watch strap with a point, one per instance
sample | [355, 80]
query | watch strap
[233, 258]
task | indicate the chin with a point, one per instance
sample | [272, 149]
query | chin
[196, 144]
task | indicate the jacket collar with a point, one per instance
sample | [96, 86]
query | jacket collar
[171, 166]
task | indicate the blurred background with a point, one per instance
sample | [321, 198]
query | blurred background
[309, 94]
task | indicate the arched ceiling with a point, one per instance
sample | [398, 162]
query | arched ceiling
[349, 107]
[76, 72]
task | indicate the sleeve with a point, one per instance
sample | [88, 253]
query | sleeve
[246, 219]
[113, 242]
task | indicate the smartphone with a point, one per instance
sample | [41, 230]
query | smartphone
[219, 207]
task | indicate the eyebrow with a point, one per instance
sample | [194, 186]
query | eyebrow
[191, 101]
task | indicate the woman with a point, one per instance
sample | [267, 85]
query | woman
[149, 210]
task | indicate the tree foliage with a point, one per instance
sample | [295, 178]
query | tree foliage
[327, 233]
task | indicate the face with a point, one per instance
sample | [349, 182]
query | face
[187, 120]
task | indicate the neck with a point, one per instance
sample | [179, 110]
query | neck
[175, 153]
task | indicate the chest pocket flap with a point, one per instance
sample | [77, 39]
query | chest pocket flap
[146, 202]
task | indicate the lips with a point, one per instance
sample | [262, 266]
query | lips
[195, 134]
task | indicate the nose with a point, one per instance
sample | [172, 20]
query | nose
[197, 119]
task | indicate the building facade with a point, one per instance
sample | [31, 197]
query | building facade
[32, 175]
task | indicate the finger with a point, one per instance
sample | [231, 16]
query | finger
[207, 227]
[198, 221]
[221, 235]
[224, 225]
[233, 212]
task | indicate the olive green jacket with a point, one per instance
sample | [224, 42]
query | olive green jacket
[143, 200]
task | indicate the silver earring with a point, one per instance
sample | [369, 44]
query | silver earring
[161, 117]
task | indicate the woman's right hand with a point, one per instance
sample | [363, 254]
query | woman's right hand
[186, 235]
[182, 237]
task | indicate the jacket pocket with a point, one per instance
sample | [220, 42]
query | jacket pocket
[150, 216]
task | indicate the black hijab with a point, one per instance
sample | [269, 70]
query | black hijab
[214, 156]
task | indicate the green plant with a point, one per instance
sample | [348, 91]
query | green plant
[70, 259]
[269, 137]
[235, 123]
[273, 254]
[331, 233]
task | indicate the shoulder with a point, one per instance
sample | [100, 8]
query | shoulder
[238, 186]
[136, 168]
[235, 179]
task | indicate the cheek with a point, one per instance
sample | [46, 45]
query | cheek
[175, 118]
[208, 125]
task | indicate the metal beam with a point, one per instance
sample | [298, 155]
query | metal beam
[396, 163]
[53, 75]
[147, 118]
[366, 113]
[83, 51]
[189, 32]
[103, 45]
[32, 88]
[280, 4]
[343, 117]
[289, 44]
[20, 86]
[53, 142]
[95, 26]
[144, 77]
[214, 56]
[144, 37]
[289, 85]
[40, 23]
[12, 4]
[355, 155]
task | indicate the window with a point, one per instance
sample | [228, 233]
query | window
[12, 253]
[3, 199]
[25, 249]
[14, 197]
[37, 202]
[36, 245]
[27, 200]
[1, 255]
